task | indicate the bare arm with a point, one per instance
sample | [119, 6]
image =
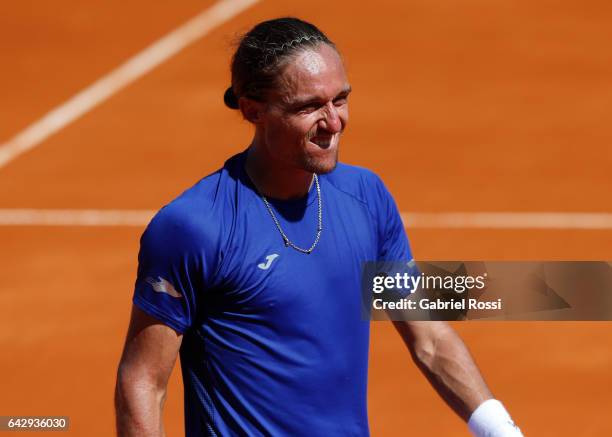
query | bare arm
[445, 361]
[149, 355]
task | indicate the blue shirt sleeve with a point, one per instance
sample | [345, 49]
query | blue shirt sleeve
[393, 243]
[393, 248]
[170, 266]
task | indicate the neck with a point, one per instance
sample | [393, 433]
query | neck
[276, 179]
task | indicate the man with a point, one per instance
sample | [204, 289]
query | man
[253, 274]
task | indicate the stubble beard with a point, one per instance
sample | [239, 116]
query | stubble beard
[320, 165]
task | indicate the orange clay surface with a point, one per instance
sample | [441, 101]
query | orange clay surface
[459, 106]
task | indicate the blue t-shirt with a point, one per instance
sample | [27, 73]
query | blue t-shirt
[274, 340]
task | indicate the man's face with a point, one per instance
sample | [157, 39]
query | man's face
[307, 112]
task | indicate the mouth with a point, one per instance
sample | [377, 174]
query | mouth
[324, 141]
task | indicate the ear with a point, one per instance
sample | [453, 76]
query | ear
[251, 110]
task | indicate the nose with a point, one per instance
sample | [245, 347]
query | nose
[331, 120]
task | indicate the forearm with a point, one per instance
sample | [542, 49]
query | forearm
[139, 407]
[447, 364]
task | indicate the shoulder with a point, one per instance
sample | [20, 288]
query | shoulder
[358, 182]
[199, 215]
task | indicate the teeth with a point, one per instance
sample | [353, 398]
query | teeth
[322, 142]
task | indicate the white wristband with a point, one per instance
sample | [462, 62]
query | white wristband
[491, 419]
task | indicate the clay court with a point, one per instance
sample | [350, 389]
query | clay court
[475, 107]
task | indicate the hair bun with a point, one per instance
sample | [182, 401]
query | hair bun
[230, 99]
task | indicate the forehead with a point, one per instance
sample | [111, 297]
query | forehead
[317, 72]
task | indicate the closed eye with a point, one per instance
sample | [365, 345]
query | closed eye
[339, 101]
[308, 108]
[342, 98]
[314, 105]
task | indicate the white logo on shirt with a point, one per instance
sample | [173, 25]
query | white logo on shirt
[163, 286]
[268, 263]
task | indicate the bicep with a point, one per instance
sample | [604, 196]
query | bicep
[150, 350]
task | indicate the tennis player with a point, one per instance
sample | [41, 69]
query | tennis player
[253, 274]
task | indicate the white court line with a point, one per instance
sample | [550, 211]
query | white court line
[509, 220]
[412, 220]
[122, 76]
[74, 217]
